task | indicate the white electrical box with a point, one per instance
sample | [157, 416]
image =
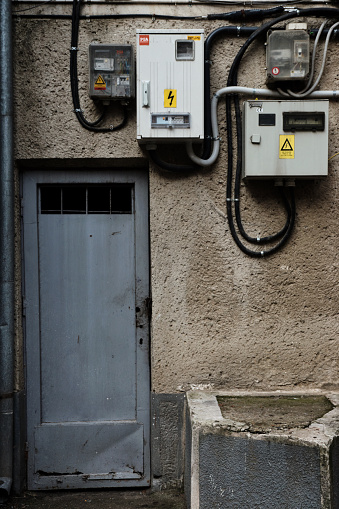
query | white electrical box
[285, 139]
[170, 85]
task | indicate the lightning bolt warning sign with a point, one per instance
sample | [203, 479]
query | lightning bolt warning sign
[170, 98]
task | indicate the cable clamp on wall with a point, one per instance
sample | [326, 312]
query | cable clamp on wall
[111, 127]
[74, 48]
[217, 138]
[208, 62]
[232, 199]
[291, 9]
[78, 110]
[258, 238]
[238, 31]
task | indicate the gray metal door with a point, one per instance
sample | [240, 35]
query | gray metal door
[87, 347]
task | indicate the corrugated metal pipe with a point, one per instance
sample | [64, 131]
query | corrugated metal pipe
[6, 252]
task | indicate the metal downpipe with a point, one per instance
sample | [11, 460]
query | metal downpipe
[6, 252]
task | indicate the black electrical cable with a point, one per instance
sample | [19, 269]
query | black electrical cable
[272, 250]
[244, 16]
[286, 231]
[92, 17]
[210, 40]
[170, 167]
[229, 30]
[241, 16]
[237, 183]
[91, 126]
[237, 31]
[226, 30]
[32, 7]
[324, 12]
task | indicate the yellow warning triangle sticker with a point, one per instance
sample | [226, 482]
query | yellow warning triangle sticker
[286, 145]
[100, 80]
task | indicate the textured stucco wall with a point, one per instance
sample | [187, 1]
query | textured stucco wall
[220, 318]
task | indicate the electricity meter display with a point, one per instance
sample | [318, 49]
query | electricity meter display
[103, 64]
[287, 56]
[184, 50]
[112, 74]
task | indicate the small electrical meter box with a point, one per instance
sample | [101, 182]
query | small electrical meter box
[285, 139]
[170, 85]
[112, 74]
[287, 56]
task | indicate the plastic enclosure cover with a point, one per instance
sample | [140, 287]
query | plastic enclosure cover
[112, 74]
[287, 55]
[170, 85]
[272, 151]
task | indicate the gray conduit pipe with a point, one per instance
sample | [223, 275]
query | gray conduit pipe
[6, 252]
[255, 92]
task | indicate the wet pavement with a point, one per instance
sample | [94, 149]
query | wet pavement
[106, 499]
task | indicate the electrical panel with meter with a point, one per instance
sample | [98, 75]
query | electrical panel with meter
[285, 139]
[288, 55]
[170, 85]
[112, 74]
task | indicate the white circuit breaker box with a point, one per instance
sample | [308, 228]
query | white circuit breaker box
[170, 85]
[285, 139]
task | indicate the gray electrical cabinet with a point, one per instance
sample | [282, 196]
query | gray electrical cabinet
[285, 139]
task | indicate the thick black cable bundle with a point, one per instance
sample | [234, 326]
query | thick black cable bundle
[285, 233]
[170, 167]
[91, 126]
[246, 15]
[272, 250]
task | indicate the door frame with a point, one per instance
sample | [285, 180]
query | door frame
[30, 179]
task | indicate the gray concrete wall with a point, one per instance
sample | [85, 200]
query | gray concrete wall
[231, 463]
[220, 318]
[240, 473]
[168, 440]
